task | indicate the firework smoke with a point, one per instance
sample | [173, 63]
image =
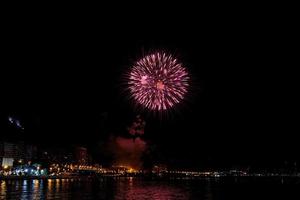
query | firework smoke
[128, 151]
[158, 81]
[137, 127]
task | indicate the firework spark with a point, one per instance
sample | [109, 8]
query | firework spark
[158, 81]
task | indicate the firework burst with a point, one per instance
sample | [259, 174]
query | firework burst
[158, 81]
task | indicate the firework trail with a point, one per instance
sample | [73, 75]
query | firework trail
[158, 81]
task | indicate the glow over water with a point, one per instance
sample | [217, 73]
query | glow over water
[139, 189]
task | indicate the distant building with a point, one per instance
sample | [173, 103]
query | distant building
[31, 152]
[1, 150]
[160, 168]
[56, 155]
[1, 153]
[10, 152]
[16, 152]
[7, 162]
[81, 155]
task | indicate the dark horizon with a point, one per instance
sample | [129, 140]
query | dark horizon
[65, 84]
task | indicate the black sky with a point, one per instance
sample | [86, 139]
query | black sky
[63, 78]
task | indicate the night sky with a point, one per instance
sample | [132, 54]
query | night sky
[64, 80]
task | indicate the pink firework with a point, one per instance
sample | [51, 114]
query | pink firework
[158, 81]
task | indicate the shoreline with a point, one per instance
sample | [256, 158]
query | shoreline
[143, 177]
[39, 177]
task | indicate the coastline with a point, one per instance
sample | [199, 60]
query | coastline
[143, 177]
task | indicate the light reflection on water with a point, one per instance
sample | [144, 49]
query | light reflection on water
[127, 188]
[146, 190]
[134, 188]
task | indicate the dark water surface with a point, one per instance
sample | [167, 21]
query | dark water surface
[135, 188]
